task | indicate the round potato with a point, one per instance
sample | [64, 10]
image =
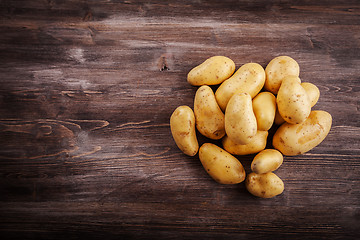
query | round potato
[295, 139]
[277, 69]
[312, 91]
[210, 120]
[212, 71]
[266, 185]
[240, 121]
[257, 144]
[292, 101]
[221, 165]
[182, 125]
[267, 160]
[264, 106]
[249, 78]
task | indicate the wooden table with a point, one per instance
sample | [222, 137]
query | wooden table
[87, 90]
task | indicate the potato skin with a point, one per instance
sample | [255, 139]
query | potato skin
[212, 71]
[249, 78]
[277, 69]
[267, 160]
[266, 185]
[257, 144]
[295, 139]
[182, 125]
[210, 120]
[312, 91]
[278, 118]
[264, 106]
[240, 121]
[221, 165]
[292, 101]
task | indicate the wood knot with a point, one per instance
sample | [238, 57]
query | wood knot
[162, 63]
[88, 16]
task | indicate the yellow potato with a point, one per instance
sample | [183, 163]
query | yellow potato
[292, 101]
[266, 185]
[212, 71]
[267, 160]
[221, 165]
[182, 125]
[277, 69]
[264, 105]
[249, 78]
[240, 121]
[210, 120]
[278, 118]
[257, 144]
[312, 91]
[295, 139]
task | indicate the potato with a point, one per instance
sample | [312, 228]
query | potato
[292, 101]
[266, 185]
[264, 105]
[267, 160]
[182, 125]
[257, 144]
[277, 69]
[278, 118]
[249, 78]
[240, 121]
[212, 71]
[294, 139]
[221, 165]
[210, 120]
[312, 91]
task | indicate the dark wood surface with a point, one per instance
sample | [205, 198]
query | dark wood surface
[86, 92]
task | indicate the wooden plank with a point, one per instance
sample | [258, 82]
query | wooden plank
[87, 90]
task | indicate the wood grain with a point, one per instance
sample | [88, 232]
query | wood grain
[87, 90]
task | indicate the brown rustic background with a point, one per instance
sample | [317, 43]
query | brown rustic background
[86, 92]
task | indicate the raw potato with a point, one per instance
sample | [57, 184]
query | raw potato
[266, 161]
[266, 185]
[295, 139]
[264, 105]
[278, 118]
[240, 121]
[212, 71]
[249, 78]
[210, 120]
[312, 91]
[277, 69]
[221, 165]
[182, 125]
[256, 145]
[248, 119]
[292, 101]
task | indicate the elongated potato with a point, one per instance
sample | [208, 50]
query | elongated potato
[266, 185]
[221, 165]
[182, 125]
[212, 71]
[249, 78]
[210, 120]
[292, 101]
[295, 139]
[277, 69]
[240, 121]
[257, 144]
[312, 91]
[264, 105]
[267, 160]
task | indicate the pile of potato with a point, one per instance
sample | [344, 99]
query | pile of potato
[244, 107]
